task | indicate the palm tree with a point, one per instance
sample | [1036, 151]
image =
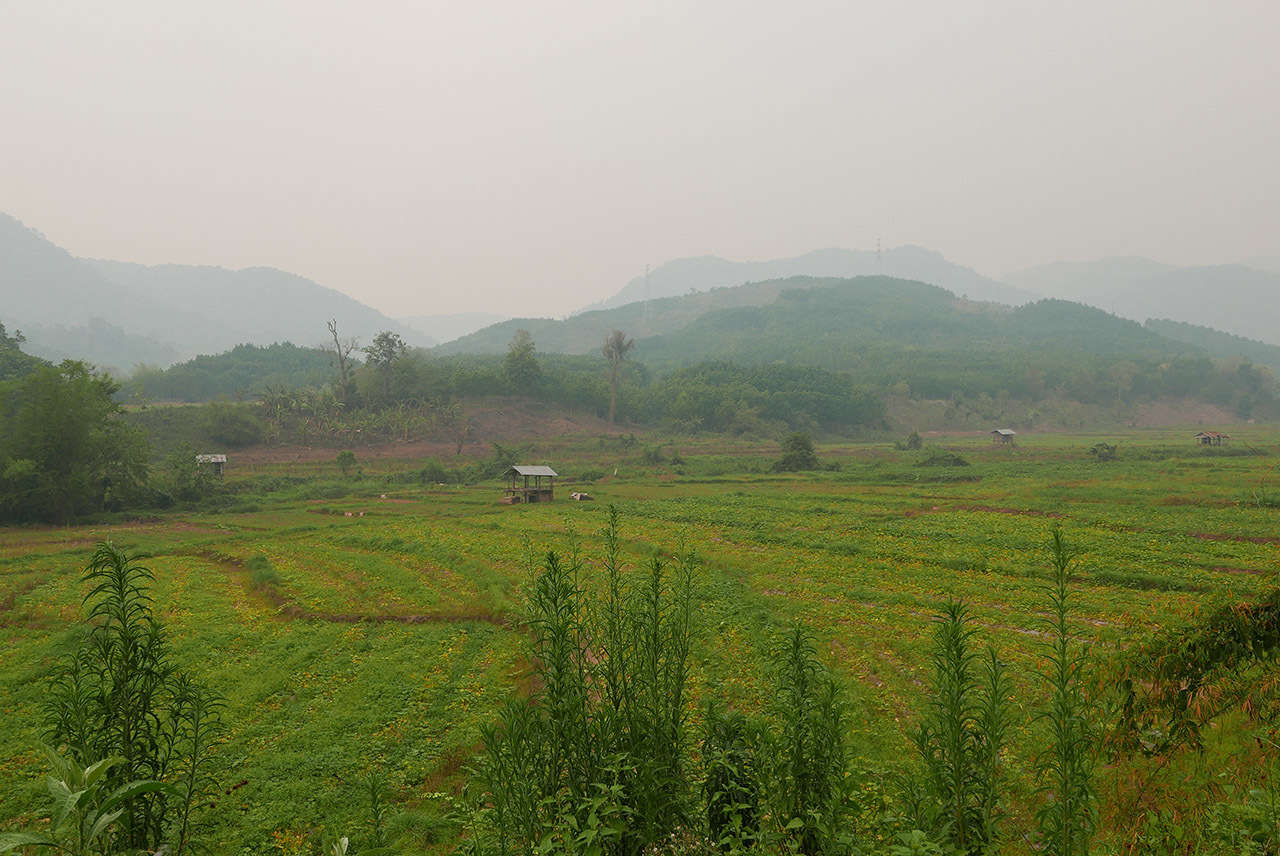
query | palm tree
[615, 348]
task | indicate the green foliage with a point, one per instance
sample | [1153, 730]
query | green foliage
[119, 696]
[810, 764]
[63, 452]
[731, 779]
[722, 396]
[13, 362]
[1065, 767]
[243, 370]
[797, 453]
[346, 461]
[234, 425]
[936, 457]
[87, 807]
[1164, 682]
[262, 573]
[186, 479]
[962, 735]
[914, 443]
[595, 762]
[1105, 452]
[521, 367]
[617, 345]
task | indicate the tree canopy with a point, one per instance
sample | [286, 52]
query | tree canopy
[62, 452]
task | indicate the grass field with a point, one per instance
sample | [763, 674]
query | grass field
[388, 631]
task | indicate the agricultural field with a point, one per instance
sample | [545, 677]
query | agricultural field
[376, 629]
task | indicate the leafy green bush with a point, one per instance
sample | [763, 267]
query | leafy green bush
[797, 453]
[941, 458]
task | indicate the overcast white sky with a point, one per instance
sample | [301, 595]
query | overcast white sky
[531, 157]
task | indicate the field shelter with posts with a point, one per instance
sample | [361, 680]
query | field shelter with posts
[526, 483]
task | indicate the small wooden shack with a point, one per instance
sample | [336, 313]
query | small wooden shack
[1212, 438]
[213, 463]
[1003, 437]
[527, 483]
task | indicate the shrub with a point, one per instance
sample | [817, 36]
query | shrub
[346, 460]
[1105, 451]
[797, 453]
[941, 458]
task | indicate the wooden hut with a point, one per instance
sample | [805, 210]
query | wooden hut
[529, 484]
[1003, 437]
[1212, 438]
[214, 463]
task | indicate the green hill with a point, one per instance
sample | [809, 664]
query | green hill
[1223, 345]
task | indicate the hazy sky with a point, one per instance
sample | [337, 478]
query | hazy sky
[531, 157]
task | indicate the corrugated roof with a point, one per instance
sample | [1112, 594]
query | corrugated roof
[211, 459]
[526, 470]
[1005, 432]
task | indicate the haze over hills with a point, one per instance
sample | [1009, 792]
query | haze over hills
[120, 314]
[1236, 299]
[446, 328]
[682, 276]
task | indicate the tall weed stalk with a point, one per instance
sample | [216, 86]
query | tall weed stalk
[810, 762]
[1065, 767]
[119, 696]
[594, 760]
[962, 735]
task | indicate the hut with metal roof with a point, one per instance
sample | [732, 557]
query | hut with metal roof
[1003, 436]
[215, 464]
[1212, 438]
[526, 483]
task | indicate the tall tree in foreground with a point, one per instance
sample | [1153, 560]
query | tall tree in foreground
[615, 348]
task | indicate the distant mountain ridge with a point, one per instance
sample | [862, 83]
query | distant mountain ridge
[703, 273]
[1244, 301]
[120, 314]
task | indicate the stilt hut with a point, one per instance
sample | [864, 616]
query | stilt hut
[529, 484]
[1003, 436]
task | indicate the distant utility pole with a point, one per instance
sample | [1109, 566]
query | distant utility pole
[647, 312]
[879, 264]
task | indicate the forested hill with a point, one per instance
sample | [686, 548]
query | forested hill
[583, 334]
[906, 337]
[682, 276]
[1219, 344]
[887, 332]
[117, 314]
[1238, 299]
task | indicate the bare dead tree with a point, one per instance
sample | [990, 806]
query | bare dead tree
[340, 356]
